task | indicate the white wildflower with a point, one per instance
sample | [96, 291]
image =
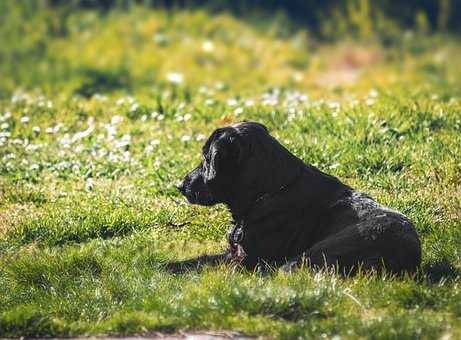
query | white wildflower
[24, 120]
[99, 97]
[76, 168]
[83, 134]
[200, 137]
[36, 130]
[148, 149]
[297, 77]
[185, 138]
[102, 153]
[334, 105]
[33, 147]
[116, 120]
[238, 111]
[134, 107]
[160, 39]
[208, 102]
[89, 185]
[219, 85]
[270, 99]
[208, 46]
[4, 126]
[124, 142]
[66, 141]
[249, 102]
[203, 89]
[369, 101]
[126, 157]
[57, 127]
[111, 131]
[354, 102]
[175, 77]
[16, 97]
[151, 146]
[232, 102]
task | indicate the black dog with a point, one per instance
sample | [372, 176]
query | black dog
[287, 212]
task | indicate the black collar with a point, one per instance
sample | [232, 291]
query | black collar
[266, 197]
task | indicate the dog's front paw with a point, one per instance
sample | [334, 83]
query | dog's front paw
[295, 263]
[290, 266]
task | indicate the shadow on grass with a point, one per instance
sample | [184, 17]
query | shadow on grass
[194, 264]
[434, 272]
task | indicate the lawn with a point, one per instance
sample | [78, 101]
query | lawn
[99, 122]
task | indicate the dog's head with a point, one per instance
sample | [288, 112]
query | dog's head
[243, 162]
[228, 162]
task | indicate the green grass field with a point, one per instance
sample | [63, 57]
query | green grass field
[98, 123]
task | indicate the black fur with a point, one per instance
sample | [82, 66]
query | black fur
[287, 212]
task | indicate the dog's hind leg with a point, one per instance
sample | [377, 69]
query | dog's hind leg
[357, 248]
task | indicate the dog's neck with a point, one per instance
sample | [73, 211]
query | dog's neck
[266, 199]
[278, 169]
[313, 189]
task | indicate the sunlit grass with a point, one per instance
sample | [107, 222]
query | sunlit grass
[94, 138]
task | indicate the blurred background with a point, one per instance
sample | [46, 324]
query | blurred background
[87, 47]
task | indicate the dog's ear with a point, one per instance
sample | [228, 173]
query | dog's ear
[224, 155]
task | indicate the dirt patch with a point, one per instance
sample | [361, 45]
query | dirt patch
[345, 64]
[185, 335]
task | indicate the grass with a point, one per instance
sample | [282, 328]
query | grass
[99, 122]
